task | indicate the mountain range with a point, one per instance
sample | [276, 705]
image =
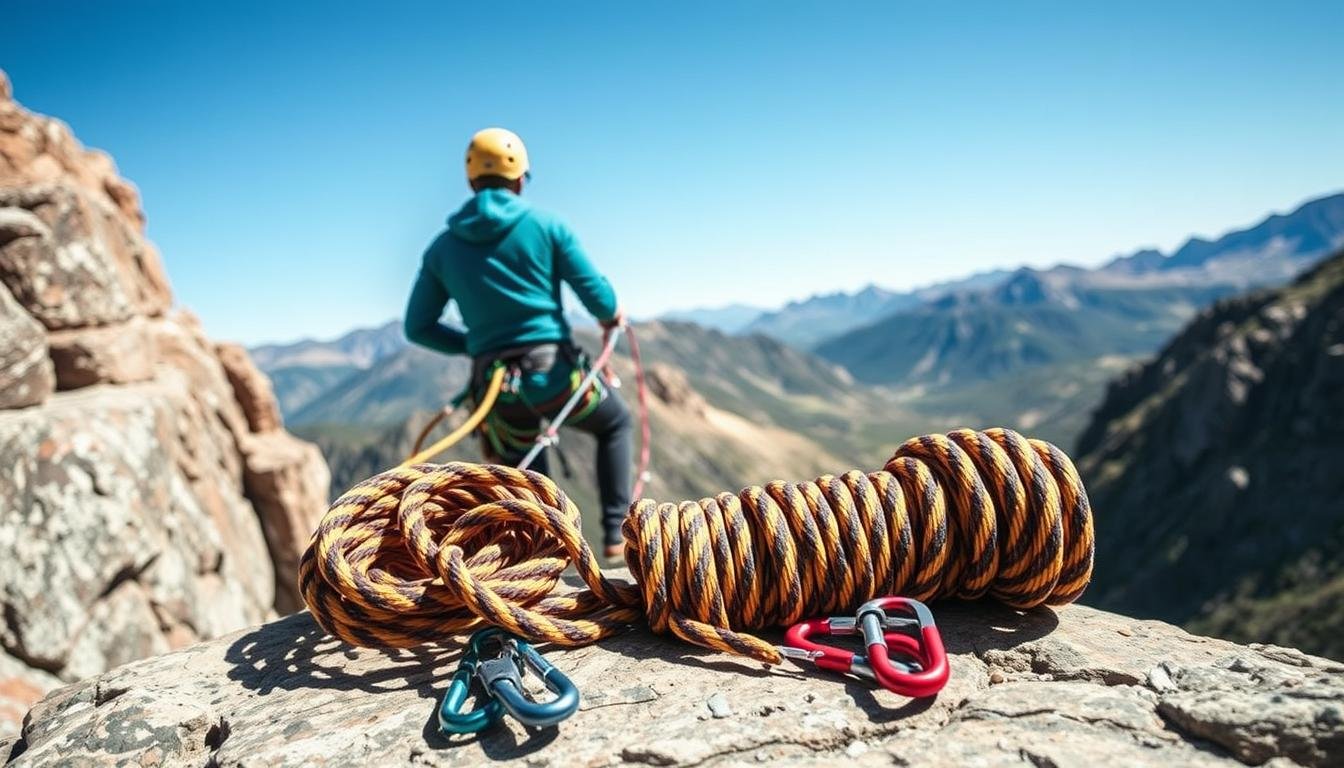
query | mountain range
[302, 371]
[730, 318]
[1216, 467]
[810, 321]
[1030, 320]
[1031, 349]
[1035, 350]
[1270, 252]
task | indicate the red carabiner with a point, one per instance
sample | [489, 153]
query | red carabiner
[800, 646]
[933, 671]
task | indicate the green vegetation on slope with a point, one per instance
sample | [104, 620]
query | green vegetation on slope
[1216, 467]
[1304, 608]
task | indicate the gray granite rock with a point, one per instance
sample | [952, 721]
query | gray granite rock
[1075, 690]
[115, 354]
[26, 374]
[102, 494]
[153, 502]
[79, 262]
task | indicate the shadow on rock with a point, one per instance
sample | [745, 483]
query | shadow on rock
[973, 628]
[295, 653]
[498, 743]
[639, 644]
[984, 625]
[861, 691]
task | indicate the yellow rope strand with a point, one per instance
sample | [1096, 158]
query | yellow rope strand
[473, 421]
[420, 553]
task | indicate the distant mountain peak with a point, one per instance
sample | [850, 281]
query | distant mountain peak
[1312, 229]
[359, 348]
[1026, 286]
[806, 322]
[1143, 260]
[873, 290]
[729, 318]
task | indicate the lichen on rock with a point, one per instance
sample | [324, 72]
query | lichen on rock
[152, 498]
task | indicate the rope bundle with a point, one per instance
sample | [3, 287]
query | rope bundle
[423, 552]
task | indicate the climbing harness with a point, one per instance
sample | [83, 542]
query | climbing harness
[499, 433]
[501, 679]
[921, 667]
[551, 435]
[423, 552]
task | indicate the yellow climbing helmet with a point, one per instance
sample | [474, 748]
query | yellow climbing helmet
[496, 152]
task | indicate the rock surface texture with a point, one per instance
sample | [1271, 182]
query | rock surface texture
[150, 497]
[1070, 687]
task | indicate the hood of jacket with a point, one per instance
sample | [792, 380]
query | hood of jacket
[488, 216]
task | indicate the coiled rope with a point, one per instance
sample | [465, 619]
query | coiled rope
[420, 553]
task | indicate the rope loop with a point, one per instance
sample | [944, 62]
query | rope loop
[420, 553]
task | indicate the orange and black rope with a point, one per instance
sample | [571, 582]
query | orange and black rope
[420, 553]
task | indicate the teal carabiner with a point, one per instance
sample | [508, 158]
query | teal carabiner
[451, 717]
[502, 677]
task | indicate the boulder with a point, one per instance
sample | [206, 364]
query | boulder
[36, 148]
[113, 354]
[102, 495]
[1074, 686]
[138, 500]
[670, 385]
[251, 388]
[183, 352]
[26, 376]
[287, 482]
[71, 260]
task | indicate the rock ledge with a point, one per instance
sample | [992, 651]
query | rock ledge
[1070, 687]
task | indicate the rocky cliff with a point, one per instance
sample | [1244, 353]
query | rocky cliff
[1070, 687]
[150, 497]
[1217, 467]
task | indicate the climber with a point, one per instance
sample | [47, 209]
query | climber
[503, 262]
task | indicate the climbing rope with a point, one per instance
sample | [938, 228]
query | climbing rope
[420, 553]
[444, 412]
[473, 421]
[645, 431]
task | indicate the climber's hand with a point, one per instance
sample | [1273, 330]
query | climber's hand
[616, 321]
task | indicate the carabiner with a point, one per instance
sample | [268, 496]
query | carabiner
[931, 675]
[838, 659]
[451, 717]
[502, 677]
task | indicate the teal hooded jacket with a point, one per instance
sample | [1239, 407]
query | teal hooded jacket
[503, 261]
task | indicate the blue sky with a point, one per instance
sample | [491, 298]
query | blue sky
[295, 158]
